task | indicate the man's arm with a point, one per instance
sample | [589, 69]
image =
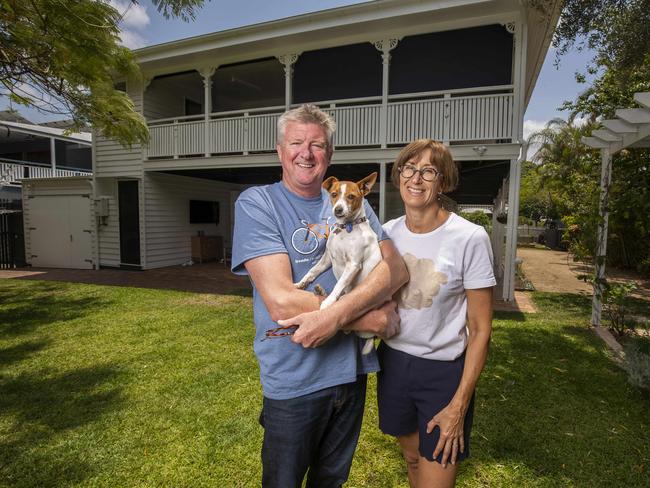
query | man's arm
[316, 327]
[273, 280]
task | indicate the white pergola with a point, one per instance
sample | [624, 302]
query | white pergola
[630, 129]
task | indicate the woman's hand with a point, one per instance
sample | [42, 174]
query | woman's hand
[450, 420]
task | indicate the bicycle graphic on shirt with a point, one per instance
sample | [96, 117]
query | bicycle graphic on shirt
[305, 239]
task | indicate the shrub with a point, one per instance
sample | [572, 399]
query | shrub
[616, 305]
[637, 364]
[644, 267]
[477, 217]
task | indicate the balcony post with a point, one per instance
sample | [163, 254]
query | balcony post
[207, 73]
[288, 60]
[382, 192]
[518, 30]
[446, 124]
[384, 46]
[53, 154]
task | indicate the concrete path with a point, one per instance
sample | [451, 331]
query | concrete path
[549, 271]
[554, 271]
[200, 278]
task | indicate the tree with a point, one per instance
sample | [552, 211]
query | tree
[618, 31]
[65, 57]
[569, 173]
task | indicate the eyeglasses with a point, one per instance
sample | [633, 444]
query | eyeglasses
[427, 174]
[284, 331]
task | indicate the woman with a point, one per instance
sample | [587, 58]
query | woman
[429, 370]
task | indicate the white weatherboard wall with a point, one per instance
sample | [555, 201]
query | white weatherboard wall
[111, 158]
[108, 229]
[167, 215]
[59, 222]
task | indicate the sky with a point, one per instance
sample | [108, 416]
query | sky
[143, 26]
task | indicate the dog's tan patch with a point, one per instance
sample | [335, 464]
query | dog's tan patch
[424, 284]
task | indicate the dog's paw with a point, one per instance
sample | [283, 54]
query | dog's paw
[319, 291]
[300, 285]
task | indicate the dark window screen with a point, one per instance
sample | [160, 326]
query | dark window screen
[253, 84]
[465, 58]
[204, 212]
[337, 73]
[192, 107]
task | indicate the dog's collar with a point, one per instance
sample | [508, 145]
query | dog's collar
[348, 225]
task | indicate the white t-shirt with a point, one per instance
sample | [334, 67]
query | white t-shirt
[443, 263]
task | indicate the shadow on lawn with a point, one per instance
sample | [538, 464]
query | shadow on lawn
[17, 353]
[549, 399]
[38, 408]
[45, 303]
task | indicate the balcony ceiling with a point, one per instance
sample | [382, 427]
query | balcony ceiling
[480, 181]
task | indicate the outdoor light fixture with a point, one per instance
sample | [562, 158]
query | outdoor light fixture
[480, 150]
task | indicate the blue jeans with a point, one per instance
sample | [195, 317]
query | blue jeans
[318, 431]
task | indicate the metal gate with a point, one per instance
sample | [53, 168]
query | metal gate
[12, 238]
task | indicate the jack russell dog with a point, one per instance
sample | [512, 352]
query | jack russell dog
[352, 248]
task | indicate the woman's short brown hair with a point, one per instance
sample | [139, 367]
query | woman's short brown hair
[440, 158]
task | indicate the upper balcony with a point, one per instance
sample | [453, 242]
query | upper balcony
[382, 94]
[12, 172]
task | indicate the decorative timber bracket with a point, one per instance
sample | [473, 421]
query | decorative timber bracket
[385, 46]
[510, 26]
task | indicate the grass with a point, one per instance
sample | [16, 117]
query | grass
[107, 386]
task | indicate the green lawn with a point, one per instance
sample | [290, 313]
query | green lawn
[108, 386]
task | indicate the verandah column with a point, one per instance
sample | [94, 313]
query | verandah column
[53, 155]
[385, 46]
[382, 192]
[206, 73]
[511, 226]
[288, 60]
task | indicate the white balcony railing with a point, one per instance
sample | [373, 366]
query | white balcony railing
[12, 173]
[453, 116]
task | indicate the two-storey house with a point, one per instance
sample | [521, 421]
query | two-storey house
[389, 71]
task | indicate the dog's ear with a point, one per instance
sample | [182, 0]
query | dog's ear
[327, 184]
[367, 183]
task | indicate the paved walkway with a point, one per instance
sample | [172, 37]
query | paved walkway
[199, 278]
[554, 271]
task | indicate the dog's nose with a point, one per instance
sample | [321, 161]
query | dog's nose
[338, 211]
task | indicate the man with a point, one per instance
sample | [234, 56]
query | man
[313, 381]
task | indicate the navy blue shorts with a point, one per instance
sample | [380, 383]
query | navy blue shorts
[412, 390]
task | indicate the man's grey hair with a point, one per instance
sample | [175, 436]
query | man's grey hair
[307, 114]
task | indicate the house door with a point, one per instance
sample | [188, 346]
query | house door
[129, 223]
[60, 231]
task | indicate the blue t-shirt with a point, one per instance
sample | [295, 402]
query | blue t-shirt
[271, 220]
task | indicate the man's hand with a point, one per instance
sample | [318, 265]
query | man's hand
[314, 328]
[389, 321]
[383, 322]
